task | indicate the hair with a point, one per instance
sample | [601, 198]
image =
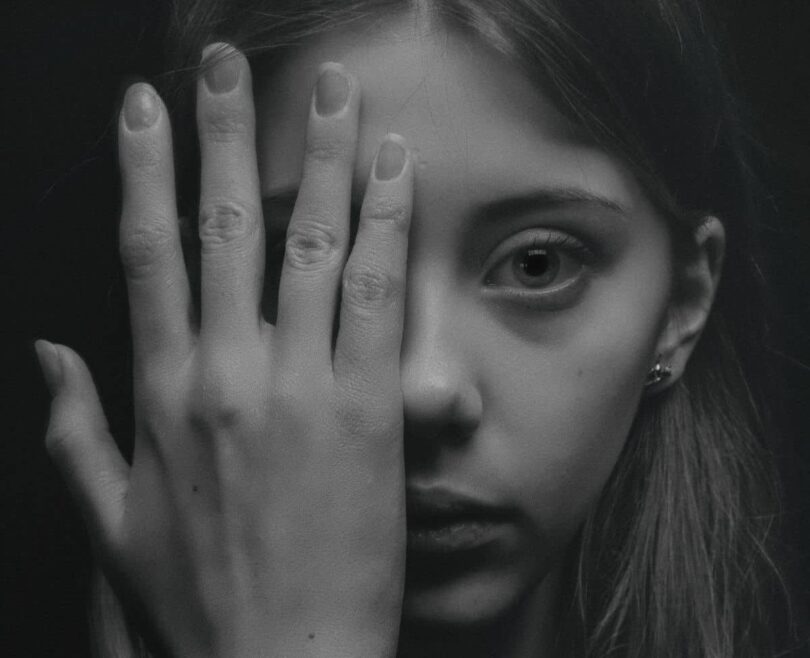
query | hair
[678, 557]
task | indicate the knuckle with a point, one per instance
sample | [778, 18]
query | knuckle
[152, 421]
[214, 413]
[143, 154]
[221, 402]
[386, 210]
[326, 147]
[311, 244]
[225, 125]
[360, 419]
[60, 441]
[354, 418]
[369, 287]
[155, 401]
[287, 404]
[57, 442]
[225, 222]
[215, 419]
[144, 245]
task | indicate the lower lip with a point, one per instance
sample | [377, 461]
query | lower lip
[454, 536]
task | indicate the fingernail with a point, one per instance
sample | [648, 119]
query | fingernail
[141, 107]
[222, 75]
[390, 159]
[331, 92]
[50, 363]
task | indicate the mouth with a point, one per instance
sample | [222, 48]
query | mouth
[441, 521]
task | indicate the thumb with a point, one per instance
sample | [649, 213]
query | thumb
[79, 442]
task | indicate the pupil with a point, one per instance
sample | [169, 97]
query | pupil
[535, 263]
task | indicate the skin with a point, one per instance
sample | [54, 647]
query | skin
[520, 402]
[272, 460]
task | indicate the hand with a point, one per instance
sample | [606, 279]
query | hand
[263, 513]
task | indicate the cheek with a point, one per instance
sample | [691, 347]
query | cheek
[564, 404]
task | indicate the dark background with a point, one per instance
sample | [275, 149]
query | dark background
[65, 66]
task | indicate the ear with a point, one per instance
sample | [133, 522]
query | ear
[696, 277]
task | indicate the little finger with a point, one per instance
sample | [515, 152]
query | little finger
[372, 305]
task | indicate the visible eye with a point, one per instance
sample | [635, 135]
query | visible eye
[538, 266]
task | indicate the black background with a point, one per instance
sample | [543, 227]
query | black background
[65, 66]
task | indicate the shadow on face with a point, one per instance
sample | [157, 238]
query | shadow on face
[538, 286]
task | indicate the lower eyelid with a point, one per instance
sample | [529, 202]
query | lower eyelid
[553, 299]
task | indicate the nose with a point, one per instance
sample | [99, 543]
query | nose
[441, 402]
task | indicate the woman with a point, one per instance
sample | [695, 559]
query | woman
[550, 410]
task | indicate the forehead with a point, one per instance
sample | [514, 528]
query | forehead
[475, 121]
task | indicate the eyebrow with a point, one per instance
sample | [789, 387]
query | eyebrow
[542, 199]
[546, 199]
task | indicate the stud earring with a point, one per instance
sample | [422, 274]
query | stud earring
[658, 373]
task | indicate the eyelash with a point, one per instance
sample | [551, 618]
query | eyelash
[554, 296]
[564, 250]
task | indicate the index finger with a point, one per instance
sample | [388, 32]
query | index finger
[149, 237]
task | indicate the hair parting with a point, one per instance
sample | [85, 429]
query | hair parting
[678, 558]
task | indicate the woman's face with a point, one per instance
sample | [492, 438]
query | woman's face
[538, 287]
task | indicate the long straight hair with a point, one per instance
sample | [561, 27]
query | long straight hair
[678, 558]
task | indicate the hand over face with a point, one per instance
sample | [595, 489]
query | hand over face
[263, 513]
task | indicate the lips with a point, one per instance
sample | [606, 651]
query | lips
[442, 521]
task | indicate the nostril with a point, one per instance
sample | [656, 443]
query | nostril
[443, 409]
[442, 403]
[448, 435]
[442, 400]
[424, 444]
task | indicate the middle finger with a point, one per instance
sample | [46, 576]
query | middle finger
[231, 226]
[318, 233]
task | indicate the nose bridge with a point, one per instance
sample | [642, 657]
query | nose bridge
[437, 385]
[428, 320]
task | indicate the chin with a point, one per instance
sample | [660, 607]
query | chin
[473, 598]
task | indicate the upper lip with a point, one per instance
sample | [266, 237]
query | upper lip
[441, 504]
